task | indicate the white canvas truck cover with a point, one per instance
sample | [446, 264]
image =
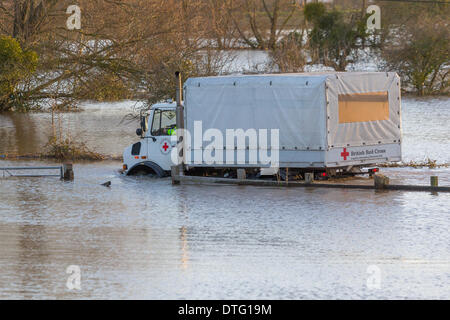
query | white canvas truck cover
[364, 109]
[314, 111]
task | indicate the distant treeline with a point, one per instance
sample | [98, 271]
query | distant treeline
[130, 49]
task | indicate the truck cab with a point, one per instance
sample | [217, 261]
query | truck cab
[152, 154]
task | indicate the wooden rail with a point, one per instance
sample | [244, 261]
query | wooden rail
[65, 172]
[268, 183]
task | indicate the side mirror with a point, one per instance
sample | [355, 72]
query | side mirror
[139, 132]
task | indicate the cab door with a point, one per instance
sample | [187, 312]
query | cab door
[163, 127]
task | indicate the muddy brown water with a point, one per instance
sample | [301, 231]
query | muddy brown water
[144, 238]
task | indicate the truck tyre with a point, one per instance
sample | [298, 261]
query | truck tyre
[149, 167]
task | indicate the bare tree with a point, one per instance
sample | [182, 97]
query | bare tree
[290, 55]
[261, 23]
[31, 17]
[219, 25]
[420, 54]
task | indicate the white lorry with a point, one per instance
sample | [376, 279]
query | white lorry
[326, 123]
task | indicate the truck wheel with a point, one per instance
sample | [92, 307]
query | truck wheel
[147, 167]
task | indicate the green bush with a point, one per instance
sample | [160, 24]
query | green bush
[334, 40]
[421, 55]
[314, 11]
[16, 66]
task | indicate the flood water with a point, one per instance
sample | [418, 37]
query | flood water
[144, 238]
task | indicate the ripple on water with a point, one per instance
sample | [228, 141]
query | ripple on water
[144, 238]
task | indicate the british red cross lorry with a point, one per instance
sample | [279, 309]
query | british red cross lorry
[327, 123]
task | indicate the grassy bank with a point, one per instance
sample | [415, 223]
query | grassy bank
[39, 156]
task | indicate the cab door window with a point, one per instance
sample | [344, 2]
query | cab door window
[164, 123]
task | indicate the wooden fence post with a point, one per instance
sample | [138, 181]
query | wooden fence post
[434, 181]
[175, 175]
[309, 177]
[241, 175]
[68, 174]
[380, 181]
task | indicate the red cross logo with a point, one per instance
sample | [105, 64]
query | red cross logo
[345, 154]
[165, 146]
